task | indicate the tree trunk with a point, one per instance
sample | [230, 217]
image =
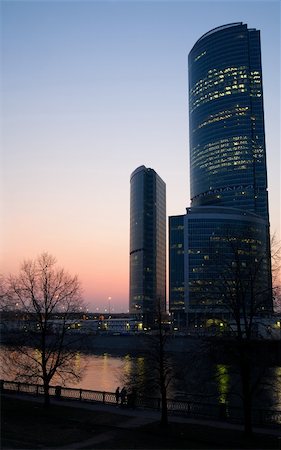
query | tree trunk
[248, 430]
[246, 390]
[164, 408]
[46, 395]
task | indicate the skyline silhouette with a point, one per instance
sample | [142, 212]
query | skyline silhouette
[91, 91]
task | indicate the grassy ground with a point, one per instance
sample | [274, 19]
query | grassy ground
[28, 425]
[187, 436]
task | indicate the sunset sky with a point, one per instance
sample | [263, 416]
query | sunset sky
[91, 90]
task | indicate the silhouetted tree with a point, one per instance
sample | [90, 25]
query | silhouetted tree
[276, 272]
[154, 375]
[243, 291]
[4, 301]
[160, 361]
[46, 296]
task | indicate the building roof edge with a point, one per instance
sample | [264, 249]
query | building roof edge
[215, 30]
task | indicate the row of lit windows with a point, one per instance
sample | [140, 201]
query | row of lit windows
[239, 252]
[224, 189]
[209, 154]
[216, 77]
[204, 160]
[255, 82]
[219, 75]
[221, 156]
[218, 149]
[255, 77]
[202, 282]
[226, 157]
[258, 150]
[215, 95]
[200, 56]
[235, 239]
[225, 142]
[233, 196]
[255, 93]
[223, 115]
[206, 84]
[178, 289]
[215, 119]
[176, 246]
[224, 163]
[234, 70]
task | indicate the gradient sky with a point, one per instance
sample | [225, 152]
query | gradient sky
[90, 91]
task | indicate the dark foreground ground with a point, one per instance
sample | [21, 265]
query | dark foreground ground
[26, 424]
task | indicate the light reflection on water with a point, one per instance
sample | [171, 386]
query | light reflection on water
[105, 372]
[223, 380]
[102, 372]
[98, 372]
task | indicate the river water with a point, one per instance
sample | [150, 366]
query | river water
[102, 372]
[215, 383]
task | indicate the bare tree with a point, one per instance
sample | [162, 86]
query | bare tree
[47, 296]
[4, 302]
[153, 377]
[243, 292]
[160, 361]
[276, 272]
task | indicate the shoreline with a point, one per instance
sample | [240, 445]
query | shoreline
[270, 350]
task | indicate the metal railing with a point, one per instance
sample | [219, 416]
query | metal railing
[195, 409]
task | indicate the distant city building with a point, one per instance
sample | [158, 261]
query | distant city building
[147, 244]
[228, 177]
[120, 325]
[176, 271]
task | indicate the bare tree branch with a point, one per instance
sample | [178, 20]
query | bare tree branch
[47, 297]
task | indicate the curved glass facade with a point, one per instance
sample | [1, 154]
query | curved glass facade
[226, 120]
[147, 243]
[225, 238]
[226, 251]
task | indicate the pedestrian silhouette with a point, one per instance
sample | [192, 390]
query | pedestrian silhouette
[123, 395]
[117, 394]
[58, 392]
[131, 398]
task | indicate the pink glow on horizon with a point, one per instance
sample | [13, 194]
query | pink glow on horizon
[92, 90]
[99, 281]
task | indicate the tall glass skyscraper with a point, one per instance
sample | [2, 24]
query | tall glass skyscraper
[228, 177]
[147, 244]
[226, 120]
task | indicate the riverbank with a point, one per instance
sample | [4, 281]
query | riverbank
[139, 343]
[26, 424]
[118, 344]
[268, 351]
[136, 344]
